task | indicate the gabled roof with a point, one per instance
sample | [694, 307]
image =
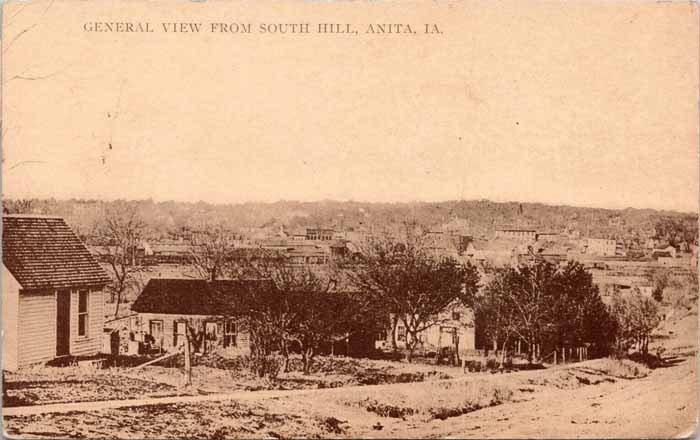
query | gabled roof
[43, 252]
[194, 297]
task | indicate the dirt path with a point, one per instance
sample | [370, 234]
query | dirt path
[241, 396]
[661, 405]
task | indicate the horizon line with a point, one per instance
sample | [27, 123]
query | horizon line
[368, 202]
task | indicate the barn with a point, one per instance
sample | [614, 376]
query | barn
[52, 292]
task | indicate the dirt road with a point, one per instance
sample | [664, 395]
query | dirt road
[660, 405]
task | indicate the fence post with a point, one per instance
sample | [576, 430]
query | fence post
[188, 362]
[563, 355]
[555, 356]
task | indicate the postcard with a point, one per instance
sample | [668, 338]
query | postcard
[349, 219]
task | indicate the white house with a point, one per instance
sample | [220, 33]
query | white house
[52, 292]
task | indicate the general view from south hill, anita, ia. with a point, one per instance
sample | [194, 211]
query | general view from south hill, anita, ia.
[351, 319]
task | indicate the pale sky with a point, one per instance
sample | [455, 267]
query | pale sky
[586, 103]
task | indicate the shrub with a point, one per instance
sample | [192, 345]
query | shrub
[621, 368]
[648, 359]
[491, 363]
[436, 400]
[267, 366]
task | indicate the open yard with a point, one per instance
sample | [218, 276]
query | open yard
[595, 397]
[48, 385]
[367, 398]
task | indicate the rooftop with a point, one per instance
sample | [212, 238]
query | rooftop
[43, 252]
[194, 297]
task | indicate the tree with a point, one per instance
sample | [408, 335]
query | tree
[211, 252]
[20, 206]
[579, 314]
[637, 316]
[302, 306]
[660, 278]
[121, 230]
[497, 314]
[677, 230]
[402, 278]
[529, 290]
[540, 303]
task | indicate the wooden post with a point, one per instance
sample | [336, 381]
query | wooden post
[555, 357]
[518, 346]
[188, 363]
[563, 355]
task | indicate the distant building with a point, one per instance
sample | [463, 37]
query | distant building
[668, 252]
[319, 234]
[454, 329]
[548, 236]
[517, 234]
[601, 247]
[497, 252]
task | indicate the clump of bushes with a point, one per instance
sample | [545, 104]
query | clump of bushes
[621, 368]
[648, 359]
[436, 401]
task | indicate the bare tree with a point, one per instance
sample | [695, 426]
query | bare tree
[413, 285]
[121, 231]
[294, 309]
[211, 252]
[637, 316]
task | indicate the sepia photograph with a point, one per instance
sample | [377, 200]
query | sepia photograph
[238, 219]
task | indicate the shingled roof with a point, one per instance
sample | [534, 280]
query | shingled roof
[43, 252]
[194, 297]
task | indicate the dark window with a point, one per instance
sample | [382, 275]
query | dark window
[401, 333]
[179, 333]
[456, 316]
[83, 298]
[230, 333]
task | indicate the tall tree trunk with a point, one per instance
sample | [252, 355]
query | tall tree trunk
[394, 324]
[306, 358]
[410, 347]
[116, 308]
[285, 353]
[503, 351]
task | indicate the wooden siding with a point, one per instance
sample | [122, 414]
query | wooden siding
[242, 339]
[92, 342]
[37, 327]
[10, 312]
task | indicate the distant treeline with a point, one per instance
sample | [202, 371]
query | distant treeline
[473, 217]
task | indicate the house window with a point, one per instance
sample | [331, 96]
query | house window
[230, 333]
[456, 316]
[155, 328]
[179, 333]
[210, 330]
[83, 297]
[401, 333]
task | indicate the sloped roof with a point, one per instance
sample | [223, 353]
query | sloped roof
[43, 252]
[193, 297]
